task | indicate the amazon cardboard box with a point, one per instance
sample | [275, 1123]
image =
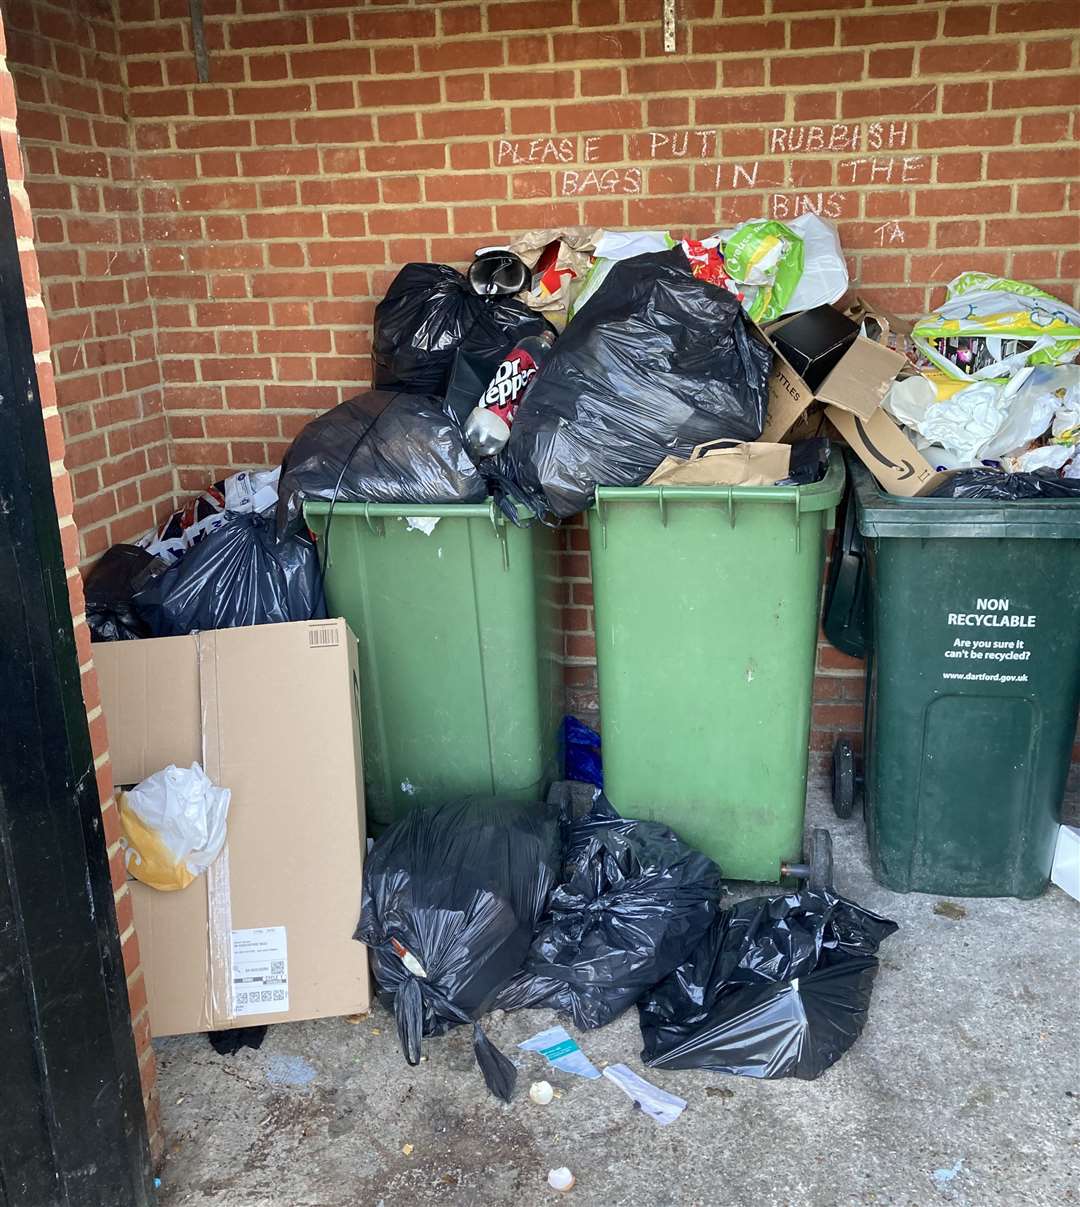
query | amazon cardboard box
[849, 371]
[272, 713]
[886, 452]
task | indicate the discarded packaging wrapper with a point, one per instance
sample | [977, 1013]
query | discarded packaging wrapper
[725, 463]
[272, 712]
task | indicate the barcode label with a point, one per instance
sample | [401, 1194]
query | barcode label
[322, 636]
[260, 971]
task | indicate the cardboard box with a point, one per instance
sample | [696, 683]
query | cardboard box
[857, 382]
[271, 712]
[886, 452]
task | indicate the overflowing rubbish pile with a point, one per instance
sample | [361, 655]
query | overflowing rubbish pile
[572, 359]
[491, 904]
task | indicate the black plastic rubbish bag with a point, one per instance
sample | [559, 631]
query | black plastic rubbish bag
[994, 484]
[110, 589]
[657, 363]
[635, 903]
[779, 987]
[429, 312]
[451, 898]
[238, 575]
[809, 462]
[379, 447]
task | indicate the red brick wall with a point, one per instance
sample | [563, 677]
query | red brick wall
[338, 140]
[40, 327]
[75, 138]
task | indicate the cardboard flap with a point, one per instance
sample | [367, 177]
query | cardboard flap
[862, 378]
[789, 396]
[150, 697]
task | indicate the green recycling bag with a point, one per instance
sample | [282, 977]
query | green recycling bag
[766, 257]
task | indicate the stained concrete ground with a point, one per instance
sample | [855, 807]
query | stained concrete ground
[964, 1089]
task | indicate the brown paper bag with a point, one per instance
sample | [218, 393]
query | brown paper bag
[725, 463]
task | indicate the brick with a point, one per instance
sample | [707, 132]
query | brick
[313, 64]
[725, 38]
[1049, 197]
[973, 132]
[463, 123]
[1046, 92]
[597, 115]
[947, 202]
[1046, 56]
[880, 29]
[378, 94]
[408, 25]
[742, 73]
[1015, 18]
[958, 234]
[738, 110]
[469, 187]
[286, 98]
[464, 54]
[893, 62]
[952, 169]
[532, 85]
[815, 69]
[533, 14]
[597, 46]
[658, 77]
[874, 102]
[1013, 232]
[288, 31]
[965, 98]
[405, 157]
[971, 56]
[1023, 165]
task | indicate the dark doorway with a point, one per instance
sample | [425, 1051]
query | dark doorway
[72, 1126]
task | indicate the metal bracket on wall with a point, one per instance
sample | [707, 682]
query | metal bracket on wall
[198, 41]
[669, 26]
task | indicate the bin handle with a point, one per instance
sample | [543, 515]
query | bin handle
[660, 504]
[798, 517]
[381, 529]
[498, 527]
[731, 506]
[599, 505]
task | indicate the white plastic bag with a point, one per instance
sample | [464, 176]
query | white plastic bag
[174, 826]
[824, 276]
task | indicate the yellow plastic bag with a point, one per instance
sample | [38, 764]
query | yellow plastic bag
[173, 826]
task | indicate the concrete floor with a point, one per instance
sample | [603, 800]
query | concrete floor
[964, 1089]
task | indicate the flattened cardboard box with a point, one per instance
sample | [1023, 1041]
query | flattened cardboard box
[857, 384]
[887, 453]
[272, 712]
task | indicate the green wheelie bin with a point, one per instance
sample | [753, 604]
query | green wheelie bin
[706, 616]
[457, 617]
[972, 689]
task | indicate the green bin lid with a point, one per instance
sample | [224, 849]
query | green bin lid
[881, 514]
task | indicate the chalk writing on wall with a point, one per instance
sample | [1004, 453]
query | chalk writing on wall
[874, 153]
[597, 181]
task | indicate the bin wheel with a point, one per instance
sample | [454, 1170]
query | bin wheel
[843, 778]
[820, 860]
